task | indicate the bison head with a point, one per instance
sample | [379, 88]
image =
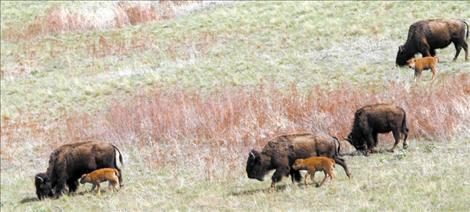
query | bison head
[43, 186]
[402, 56]
[83, 179]
[298, 164]
[357, 142]
[256, 166]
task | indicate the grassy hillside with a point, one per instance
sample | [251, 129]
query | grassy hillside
[186, 98]
[309, 43]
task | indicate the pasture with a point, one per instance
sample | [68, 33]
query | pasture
[187, 97]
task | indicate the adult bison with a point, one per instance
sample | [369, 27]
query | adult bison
[281, 152]
[70, 161]
[371, 120]
[428, 35]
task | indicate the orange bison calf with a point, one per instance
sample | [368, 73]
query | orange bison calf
[420, 64]
[102, 175]
[314, 164]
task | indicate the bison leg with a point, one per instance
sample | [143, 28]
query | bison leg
[465, 48]
[433, 70]
[424, 49]
[295, 175]
[342, 163]
[324, 179]
[417, 74]
[370, 141]
[73, 185]
[396, 136]
[120, 177]
[59, 188]
[332, 175]
[405, 143]
[458, 47]
[93, 188]
[277, 176]
[374, 144]
[312, 177]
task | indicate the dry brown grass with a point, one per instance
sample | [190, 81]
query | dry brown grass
[60, 19]
[215, 129]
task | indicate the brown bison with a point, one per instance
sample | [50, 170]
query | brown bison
[371, 120]
[428, 35]
[280, 153]
[70, 161]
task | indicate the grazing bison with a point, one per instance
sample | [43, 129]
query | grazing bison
[281, 152]
[69, 162]
[428, 35]
[371, 120]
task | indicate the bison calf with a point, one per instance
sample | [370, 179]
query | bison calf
[314, 164]
[102, 175]
[420, 64]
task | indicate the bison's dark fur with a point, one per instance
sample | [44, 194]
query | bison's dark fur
[43, 185]
[371, 120]
[69, 162]
[428, 35]
[281, 152]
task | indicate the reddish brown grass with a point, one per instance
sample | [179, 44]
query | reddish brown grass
[60, 20]
[217, 129]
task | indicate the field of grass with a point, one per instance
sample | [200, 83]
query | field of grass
[430, 176]
[187, 97]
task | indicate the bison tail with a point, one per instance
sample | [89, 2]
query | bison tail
[118, 156]
[404, 127]
[467, 28]
[465, 22]
[338, 146]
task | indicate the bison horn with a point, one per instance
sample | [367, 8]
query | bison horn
[40, 178]
[252, 155]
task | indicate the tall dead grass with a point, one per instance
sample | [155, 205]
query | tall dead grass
[100, 15]
[214, 131]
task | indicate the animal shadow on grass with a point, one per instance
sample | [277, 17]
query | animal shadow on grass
[259, 190]
[34, 199]
[28, 200]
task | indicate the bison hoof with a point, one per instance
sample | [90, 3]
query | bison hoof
[405, 146]
[317, 185]
[391, 150]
